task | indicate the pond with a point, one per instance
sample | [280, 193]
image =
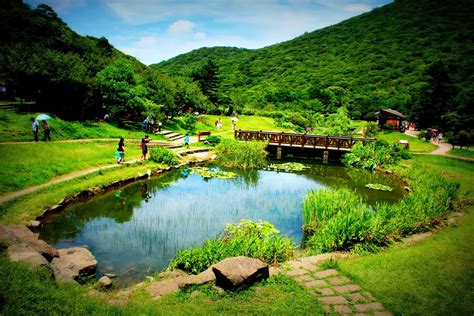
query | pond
[134, 231]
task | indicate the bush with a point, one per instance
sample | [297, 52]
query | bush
[163, 155]
[213, 140]
[244, 155]
[246, 238]
[370, 129]
[371, 155]
[189, 122]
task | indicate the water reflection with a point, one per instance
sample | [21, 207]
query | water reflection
[136, 230]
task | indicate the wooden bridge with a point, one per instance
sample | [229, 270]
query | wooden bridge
[304, 141]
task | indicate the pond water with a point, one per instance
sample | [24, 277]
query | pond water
[134, 231]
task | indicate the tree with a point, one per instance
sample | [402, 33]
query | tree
[119, 90]
[208, 80]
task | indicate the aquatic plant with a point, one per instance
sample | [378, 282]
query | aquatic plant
[209, 173]
[245, 238]
[378, 186]
[244, 155]
[288, 166]
[163, 155]
[371, 155]
[338, 220]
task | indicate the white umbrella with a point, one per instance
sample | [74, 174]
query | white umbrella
[43, 117]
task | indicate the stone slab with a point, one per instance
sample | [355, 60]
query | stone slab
[333, 300]
[326, 273]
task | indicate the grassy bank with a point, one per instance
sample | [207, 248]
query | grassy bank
[466, 153]
[26, 165]
[435, 276]
[416, 145]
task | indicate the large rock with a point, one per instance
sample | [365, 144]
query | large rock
[74, 264]
[14, 234]
[24, 253]
[239, 272]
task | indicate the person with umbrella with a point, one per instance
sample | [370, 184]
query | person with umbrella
[47, 129]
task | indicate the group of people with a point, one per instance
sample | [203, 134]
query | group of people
[218, 123]
[120, 153]
[36, 129]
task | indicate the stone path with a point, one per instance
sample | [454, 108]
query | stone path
[337, 293]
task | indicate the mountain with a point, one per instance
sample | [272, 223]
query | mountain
[42, 59]
[375, 60]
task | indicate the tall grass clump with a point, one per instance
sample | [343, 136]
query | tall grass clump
[164, 156]
[244, 155]
[372, 155]
[246, 238]
[339, 220]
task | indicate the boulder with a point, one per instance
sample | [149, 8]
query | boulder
[24, 253]
[23, 235]
[104, 282]
[74, 264]
[7, 238]
[239, 272]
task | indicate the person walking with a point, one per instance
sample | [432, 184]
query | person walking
[46, 131]
[121, 151]
[186, 141]
[35, 128]
[144, 146]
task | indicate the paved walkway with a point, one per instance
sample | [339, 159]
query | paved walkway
[337, 293]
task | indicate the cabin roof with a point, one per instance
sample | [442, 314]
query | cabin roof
[390, 111]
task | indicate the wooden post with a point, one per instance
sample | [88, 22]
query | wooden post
[199, 136]
[279, 150]
[325, 157]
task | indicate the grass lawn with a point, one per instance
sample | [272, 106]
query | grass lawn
[16, 126]
[26, 165]
[437, 275]
[467, 153]
[206, 123]
[416, 145]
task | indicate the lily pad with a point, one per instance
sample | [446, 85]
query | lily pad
[288, 166]
[208, 173]
[378, 186]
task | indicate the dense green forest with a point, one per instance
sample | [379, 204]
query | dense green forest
[413, 56]
[79, 77]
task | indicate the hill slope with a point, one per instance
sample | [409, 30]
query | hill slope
[378, 59]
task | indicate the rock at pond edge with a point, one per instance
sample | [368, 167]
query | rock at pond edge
[239, 272]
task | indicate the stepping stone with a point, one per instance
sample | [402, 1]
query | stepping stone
[369, 307]
[343, 309]
[304, 278]
[316, 283]
[369, 296]
[333, 300]
[326, 291]
[347, 288]
[309, 267]
[339, 280]
[383, 313]
[326, 273]
[357, 297]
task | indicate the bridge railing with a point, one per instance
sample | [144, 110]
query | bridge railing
[303, 140]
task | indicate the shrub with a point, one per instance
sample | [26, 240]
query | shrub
[163, 155]
[246, 238]
[244, 155]
[371, 155]
[189, 122]
[213, 140]
[370, 129]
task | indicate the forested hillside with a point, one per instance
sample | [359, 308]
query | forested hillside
[77, 77]
[415, 56]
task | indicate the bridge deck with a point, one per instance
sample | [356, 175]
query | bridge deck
[327, 142]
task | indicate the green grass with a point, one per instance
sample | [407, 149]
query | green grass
[16, 126]
[25, 165]
[28, 207]
[435, 276]
[416, 145]
[206, 123]
[466, 153]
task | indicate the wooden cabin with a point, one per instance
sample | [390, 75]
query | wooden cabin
[390, 117]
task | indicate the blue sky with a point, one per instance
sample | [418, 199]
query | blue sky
[156, 30]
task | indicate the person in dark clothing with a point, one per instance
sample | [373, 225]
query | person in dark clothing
[144, 146]
[35, 129]
[121, 151]
[46, 131]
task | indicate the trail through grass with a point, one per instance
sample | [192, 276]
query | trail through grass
[416, 145]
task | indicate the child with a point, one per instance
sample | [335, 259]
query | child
[186, 141]
[144, 146]
[121, 151]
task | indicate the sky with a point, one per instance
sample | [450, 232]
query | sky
[157, 30]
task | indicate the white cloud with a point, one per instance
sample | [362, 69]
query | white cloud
[200, 35]
[181, 26]
[357, 8]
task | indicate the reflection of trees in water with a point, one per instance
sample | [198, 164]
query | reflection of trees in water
[117, 205]
[246, 178]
